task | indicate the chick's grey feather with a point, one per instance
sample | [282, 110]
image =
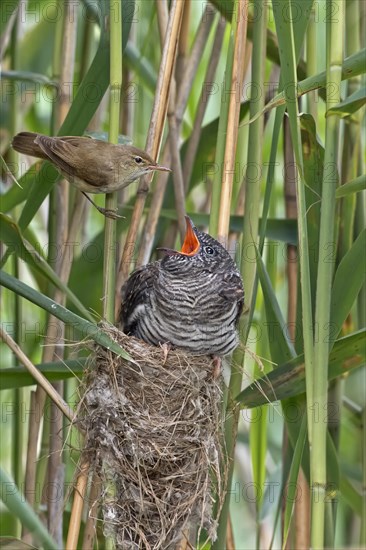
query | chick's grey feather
[192, 302]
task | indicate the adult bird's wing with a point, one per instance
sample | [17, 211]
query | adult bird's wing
[136, 296]
[83, 158]
[233, 291]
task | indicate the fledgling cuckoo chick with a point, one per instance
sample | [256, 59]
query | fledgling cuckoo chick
[191, 299]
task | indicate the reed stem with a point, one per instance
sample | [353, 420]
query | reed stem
[312, 62]
[318, 462]
[110, 234]
[255, 134]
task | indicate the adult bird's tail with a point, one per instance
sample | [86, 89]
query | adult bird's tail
[24, 142]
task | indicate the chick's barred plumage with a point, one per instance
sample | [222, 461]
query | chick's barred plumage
[191, 299]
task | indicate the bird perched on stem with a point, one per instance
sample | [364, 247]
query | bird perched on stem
[92, 165]
[191, 299]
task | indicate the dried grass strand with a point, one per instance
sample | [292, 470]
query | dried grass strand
[37, 375]
[233, 119]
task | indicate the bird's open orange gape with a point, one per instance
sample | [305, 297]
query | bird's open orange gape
[191, 244]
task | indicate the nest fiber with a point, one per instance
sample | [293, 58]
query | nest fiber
[153, 436]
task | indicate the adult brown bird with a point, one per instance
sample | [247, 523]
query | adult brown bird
[191, 299]
[92, 165]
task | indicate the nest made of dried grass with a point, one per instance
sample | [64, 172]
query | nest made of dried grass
[153, 435]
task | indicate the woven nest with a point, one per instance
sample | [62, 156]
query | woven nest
[153, 436]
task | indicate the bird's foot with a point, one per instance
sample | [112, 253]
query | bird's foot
[166, 347]
[217, 364]
[109, 213]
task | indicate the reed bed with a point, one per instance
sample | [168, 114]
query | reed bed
[258, 108]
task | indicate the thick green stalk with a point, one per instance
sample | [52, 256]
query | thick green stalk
[288, 72]
[311, 63]
[110, 234]
[254, 165]
[345, 219]
[325, 275]
[18, 432]
[110, 238]
[57, 216]
[251, 222]
[53, 221]
[363, 513]
[352, 133]
[258, 430]
[360, 223]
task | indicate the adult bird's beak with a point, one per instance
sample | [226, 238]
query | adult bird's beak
[159, 168]
[191, 244]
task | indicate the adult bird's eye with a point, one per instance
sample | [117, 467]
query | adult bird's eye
[209, 250]
[138, 160]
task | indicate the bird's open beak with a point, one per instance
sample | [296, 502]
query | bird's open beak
[191, 243]
[159, 168]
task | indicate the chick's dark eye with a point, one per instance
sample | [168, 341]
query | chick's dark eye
[138, 160]
[209, 250]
